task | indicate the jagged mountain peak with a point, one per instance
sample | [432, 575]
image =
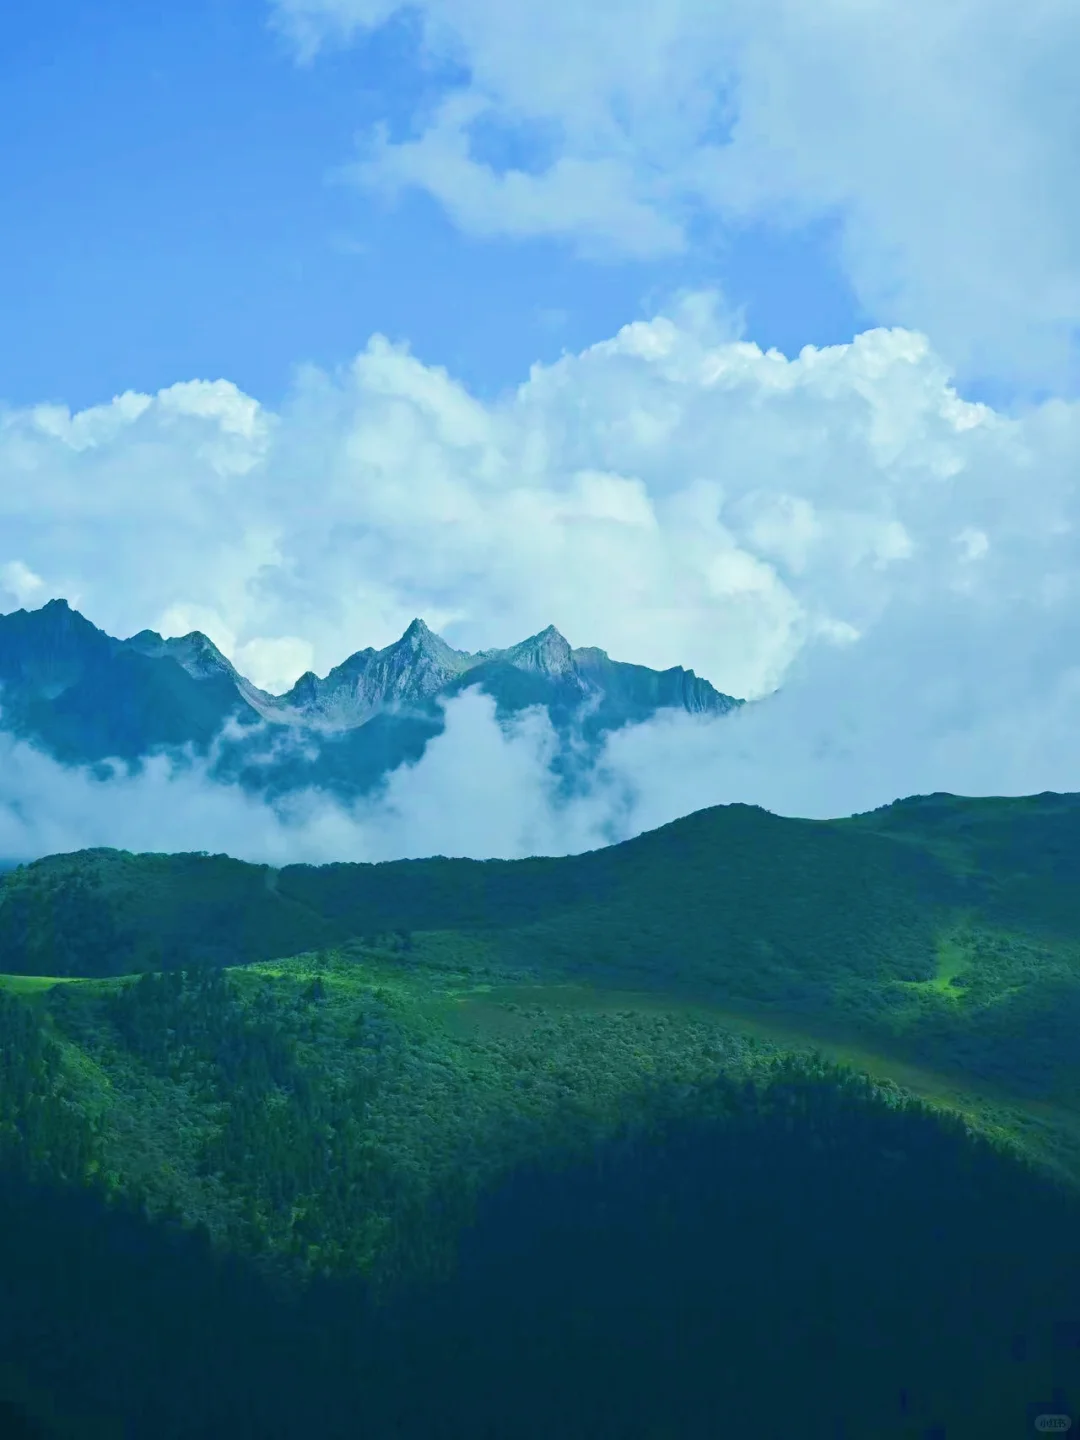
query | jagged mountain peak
[547, 652]
[420, 639]
[45, 651]
[196, 643]
[195, 651]
[410, 669]
[58, 614]
[417, 641]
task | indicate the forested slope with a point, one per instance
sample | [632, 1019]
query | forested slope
[328, 1073]
[732, 889]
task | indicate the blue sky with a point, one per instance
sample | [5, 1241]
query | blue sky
[169, 213]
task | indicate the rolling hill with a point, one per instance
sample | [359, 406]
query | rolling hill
[329, 1071]
[930, 929]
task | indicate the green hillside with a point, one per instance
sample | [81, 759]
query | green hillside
[440, 1016]
[311, 1111]
[326, 1073]
[1018, 858]
[731, 897]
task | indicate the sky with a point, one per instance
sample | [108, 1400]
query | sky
[173, 209]
[743, 338]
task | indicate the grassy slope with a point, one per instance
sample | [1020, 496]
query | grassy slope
[732, 897]
[926, 946]
[1015, 857]
[459, 1078]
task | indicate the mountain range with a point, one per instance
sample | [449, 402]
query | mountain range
[86, 696]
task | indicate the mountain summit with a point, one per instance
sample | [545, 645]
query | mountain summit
[420, 666]
[411, 670]
[199, 656]
[548, 653]
[86, 696]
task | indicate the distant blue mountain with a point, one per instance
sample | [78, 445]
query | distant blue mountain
[84, 697]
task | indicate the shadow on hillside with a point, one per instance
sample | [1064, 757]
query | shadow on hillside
[822, 1266]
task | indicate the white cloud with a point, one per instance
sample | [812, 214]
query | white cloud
[20, 583]
[672, 494]
[906, 564]
[479, 790]
[593, 200]
[274, 664]
[942, 133]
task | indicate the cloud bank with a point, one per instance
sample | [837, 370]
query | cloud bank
[673, 495]
[904, 565]
[850, 733]
[940, 134]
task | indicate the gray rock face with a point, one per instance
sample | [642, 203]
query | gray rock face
[198, 655]
[421, 666]
[87, 696]
[548, 654]
[411, 670]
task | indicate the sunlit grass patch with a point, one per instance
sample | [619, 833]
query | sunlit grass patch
[34, 984]
[954, 959]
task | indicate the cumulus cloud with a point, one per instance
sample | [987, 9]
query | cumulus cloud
[942, 135]
[673, 495]
[902, 564]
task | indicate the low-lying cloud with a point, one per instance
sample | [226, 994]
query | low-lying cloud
[850, 732]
